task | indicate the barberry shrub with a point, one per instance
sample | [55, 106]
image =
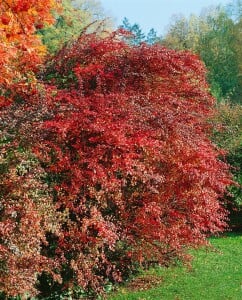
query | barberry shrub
[128, 157]
[27, 211]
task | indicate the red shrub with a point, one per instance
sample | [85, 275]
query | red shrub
[123, 144]
[129, 157]
[26, 207]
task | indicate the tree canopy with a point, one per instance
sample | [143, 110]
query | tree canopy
[72, 20]
[137, 36]
[21, 49]
[216, 37]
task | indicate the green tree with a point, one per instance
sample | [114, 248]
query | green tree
[151, 37]
[229, 137]
[215, 37]
[234, 9]
[75, 16]
[177, 34]
[217, 49]
[138, 36]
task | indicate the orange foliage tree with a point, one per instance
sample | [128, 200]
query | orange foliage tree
[21, 50]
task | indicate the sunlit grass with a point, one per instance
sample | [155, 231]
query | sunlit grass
[215, 275]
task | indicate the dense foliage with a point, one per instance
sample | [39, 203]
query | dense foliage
[25, 206]
[229, 136]
[105, 163]
[21, 50]
[128, 156]
[71, 20]
[216, 37]
[27, 211]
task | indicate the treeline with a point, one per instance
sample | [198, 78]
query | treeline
[216, 37]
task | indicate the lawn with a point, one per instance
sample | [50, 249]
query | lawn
[216, 274]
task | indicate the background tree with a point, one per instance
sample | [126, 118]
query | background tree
[236, 15]
[217, 49]
[215, 38]
[74, 17]
[229, 137]
[151, 37]
[137, 35]
[177, 35]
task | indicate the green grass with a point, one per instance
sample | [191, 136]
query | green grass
[215, 275]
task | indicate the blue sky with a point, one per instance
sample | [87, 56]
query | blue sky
[154, 13]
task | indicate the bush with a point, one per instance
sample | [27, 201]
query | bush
[229, 137]
[129, 158]
[120, 135]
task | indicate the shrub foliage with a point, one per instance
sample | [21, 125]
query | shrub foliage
[117, 168]
[128, 156]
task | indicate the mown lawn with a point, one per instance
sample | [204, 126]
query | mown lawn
[215, 275]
